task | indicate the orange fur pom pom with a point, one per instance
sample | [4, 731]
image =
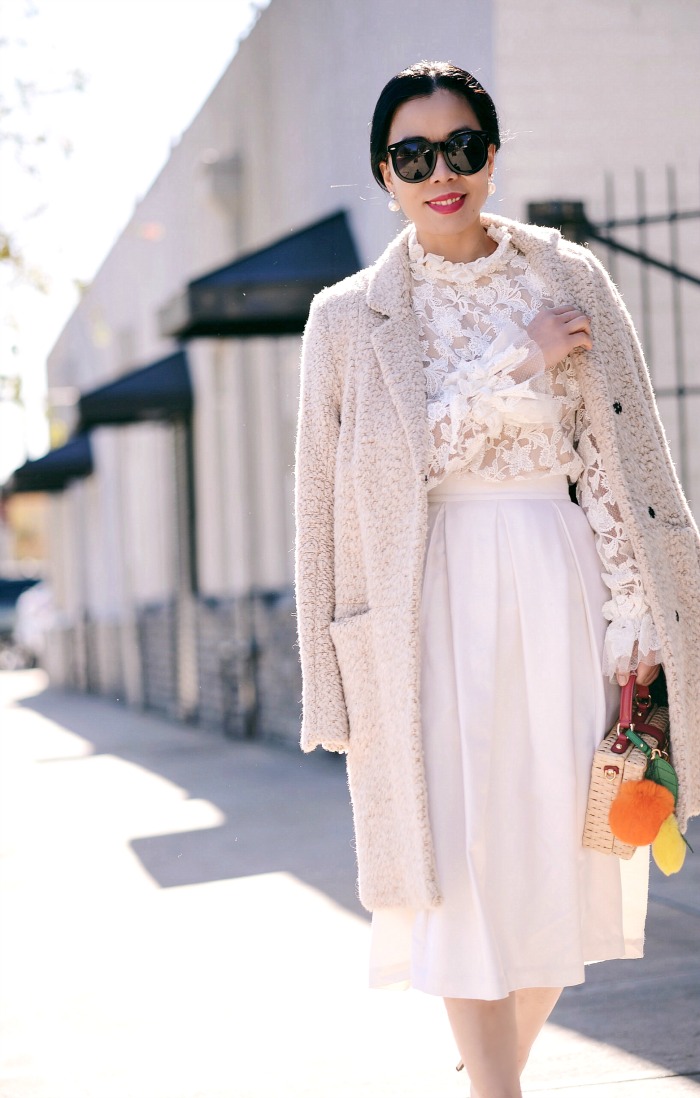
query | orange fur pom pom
[638, 811]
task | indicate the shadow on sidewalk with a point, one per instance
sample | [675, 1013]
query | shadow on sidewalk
[284, 811]
[651, 1007]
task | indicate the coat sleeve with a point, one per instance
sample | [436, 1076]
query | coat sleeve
[633, 632]
[324, 715]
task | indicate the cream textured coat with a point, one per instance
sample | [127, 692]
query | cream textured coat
[361, 515]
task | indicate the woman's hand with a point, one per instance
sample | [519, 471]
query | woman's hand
[646, 674]
[559, 331]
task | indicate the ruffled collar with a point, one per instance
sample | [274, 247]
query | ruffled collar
[428, 265]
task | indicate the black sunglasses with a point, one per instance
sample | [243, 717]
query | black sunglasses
[415, 158]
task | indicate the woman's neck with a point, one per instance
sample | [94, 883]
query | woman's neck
[465, 247]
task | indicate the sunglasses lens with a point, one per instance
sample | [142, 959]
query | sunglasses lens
[466, 153]
[413, 161]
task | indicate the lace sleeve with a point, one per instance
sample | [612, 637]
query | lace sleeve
[480, 397]
[631, 636]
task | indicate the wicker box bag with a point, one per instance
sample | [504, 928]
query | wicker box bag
[617, 760]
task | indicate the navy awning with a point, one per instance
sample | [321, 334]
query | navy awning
[267, 292]
[161, 391]
[55, 470]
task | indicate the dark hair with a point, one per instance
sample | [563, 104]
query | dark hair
[420, 79]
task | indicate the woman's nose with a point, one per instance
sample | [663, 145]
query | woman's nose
[442, 168]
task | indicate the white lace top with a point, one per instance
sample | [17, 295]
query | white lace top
[495, 410]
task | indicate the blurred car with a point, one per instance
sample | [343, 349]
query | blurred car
[34, 617]
[13, 656]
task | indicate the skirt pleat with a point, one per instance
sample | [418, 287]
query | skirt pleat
[513, 705]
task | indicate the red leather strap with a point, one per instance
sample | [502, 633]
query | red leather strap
[626, 705]
[626, 699]
[649, 730]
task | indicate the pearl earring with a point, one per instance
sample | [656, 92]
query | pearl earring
[492, 186]
[393, 204]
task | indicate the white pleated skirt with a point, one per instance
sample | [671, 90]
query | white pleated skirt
[513, 705]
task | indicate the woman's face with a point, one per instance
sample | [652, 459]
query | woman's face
[446, 204]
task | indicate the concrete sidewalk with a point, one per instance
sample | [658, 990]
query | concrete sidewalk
[178, 920]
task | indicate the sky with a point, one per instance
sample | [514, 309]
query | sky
[146, 67]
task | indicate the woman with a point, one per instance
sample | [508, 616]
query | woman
[463, 624]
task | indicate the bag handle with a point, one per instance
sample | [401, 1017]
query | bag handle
[626, 700]
[628, 703]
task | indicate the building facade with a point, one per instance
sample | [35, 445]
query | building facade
[172, 561]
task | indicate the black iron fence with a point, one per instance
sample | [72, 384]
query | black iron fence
[644, 253]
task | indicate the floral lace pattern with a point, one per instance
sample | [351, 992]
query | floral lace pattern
[495, 410]
[631, 635]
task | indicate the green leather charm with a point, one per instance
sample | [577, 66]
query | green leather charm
[660, 771]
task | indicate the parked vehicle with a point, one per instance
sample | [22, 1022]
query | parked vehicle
[13, 655]
[34, 618]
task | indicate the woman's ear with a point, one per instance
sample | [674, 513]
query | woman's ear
[491, 161]
[387, 174]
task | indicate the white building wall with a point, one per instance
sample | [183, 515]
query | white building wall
[148, 510]
[594, 87]
[582, 86]
[221, 485]
[104, 573]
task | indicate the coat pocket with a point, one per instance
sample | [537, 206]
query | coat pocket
[354, 648]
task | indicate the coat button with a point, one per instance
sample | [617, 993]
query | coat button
[617, 407]
[652, 512]
[678, 618]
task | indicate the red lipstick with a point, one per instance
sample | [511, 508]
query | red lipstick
[447, 203]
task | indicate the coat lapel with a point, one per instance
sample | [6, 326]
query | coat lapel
[395, 337]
